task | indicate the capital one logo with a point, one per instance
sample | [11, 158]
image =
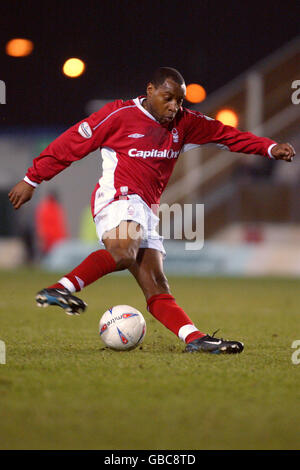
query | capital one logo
[154, 153]
[2, 92]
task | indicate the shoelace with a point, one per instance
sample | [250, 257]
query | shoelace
[213, 335]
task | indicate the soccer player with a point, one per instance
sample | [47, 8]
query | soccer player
[140, 141]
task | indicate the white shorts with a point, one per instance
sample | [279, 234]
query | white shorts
[133, 208]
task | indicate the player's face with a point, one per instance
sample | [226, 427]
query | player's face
[164, 101]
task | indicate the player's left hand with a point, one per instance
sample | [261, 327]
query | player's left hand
[283, 152]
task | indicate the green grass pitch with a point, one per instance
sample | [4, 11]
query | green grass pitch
[61, 389]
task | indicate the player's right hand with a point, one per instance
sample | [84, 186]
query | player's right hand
[20, 193]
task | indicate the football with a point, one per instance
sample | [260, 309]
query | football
[122, 328]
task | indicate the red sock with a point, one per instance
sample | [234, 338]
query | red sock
[164, 308]
[96, 265]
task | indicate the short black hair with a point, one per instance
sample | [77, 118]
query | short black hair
[162, 73]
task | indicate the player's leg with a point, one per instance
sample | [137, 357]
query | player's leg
[122, 245]
[121, 250]
[148, 271]
[119, 227]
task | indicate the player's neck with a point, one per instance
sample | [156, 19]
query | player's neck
[144, 104]
[148, 108]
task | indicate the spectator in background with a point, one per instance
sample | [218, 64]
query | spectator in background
[50, 223]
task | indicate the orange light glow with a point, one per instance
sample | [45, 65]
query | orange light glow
[195, 93]
[73, 67]
[19, 47]
[228, 117]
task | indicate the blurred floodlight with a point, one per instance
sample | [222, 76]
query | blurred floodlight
[195, 93]
[73, 67]
[227, 117]
[19, 47]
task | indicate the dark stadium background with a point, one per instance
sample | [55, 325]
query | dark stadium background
[121, 42]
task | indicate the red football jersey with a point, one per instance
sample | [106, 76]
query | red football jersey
[138, 153]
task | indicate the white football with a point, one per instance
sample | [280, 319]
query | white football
[122, 327]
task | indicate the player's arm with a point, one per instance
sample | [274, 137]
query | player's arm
[74, 144]
[246, 142]
[202, 130]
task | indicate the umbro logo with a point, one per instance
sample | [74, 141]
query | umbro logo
[136, 136]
